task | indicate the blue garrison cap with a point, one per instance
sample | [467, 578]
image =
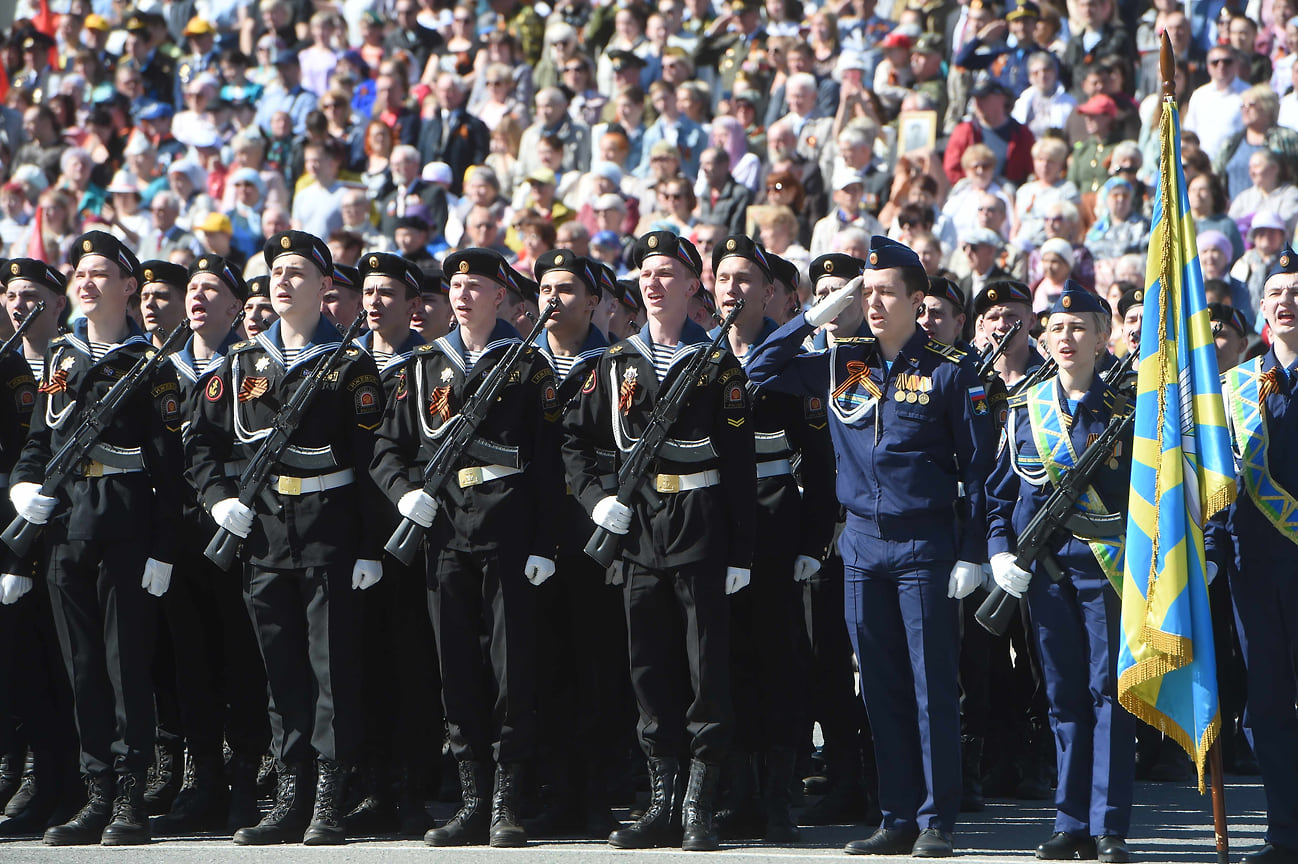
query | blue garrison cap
[1075, 299]
[1286, 263]
[886, 254]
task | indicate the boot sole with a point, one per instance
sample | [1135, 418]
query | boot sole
[700, 846]
[141, 840]
[77, 841]
[507, 842]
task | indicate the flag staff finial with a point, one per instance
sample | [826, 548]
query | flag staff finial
[1167, 66]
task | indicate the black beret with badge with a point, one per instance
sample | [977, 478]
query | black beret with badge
[259, 286]
[219, 267]
[1130, 297]
[105, 244]
[1001, 291]
[836, 264]
[166, 272]
[525, 288]
[784, 271]
[1286, 263]
[33, 271]
[347, 277]
[396, 267]
[669, 244]
[940, 286]
[628, 293]
[301, 243]
[480, 262]
[742, 246]
[565, 260]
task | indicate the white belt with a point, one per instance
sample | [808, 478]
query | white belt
[480, 474]
[94, 468]
[685, 482]
[774, 468]
[304, 485]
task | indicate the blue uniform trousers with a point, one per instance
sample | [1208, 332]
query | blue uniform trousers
[1077, 629]
[905, 632]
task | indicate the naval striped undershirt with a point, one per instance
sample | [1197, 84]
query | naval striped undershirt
[663, 355]
[563, 364]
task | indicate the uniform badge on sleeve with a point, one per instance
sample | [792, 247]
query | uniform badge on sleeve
[589, 386]
[215, 389]
[367, 399]
[399, 393]
[978, 400]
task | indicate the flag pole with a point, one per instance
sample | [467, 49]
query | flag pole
[1167, 67]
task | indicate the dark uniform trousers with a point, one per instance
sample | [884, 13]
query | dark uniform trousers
[35, 692]
[769, 701]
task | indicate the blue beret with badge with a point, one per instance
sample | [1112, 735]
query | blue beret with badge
[742, 246]
[219, 267]
[1286, 263]
[396, 267]
[105, 244]
[1001, 291]
[301, 243]
[888, 254]
[1075, 300]
[33, 271]
[565, 260]
[669, 244]
[836, 264]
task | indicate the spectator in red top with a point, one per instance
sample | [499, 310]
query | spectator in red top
[990, 123]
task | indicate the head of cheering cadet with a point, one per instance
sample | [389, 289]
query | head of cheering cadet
[390, 288]
[941, 312]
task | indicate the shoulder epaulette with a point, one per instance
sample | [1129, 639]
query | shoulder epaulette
[855, 340]
[1017, 401]
[423, 349]
[58, 341]
[950, 352]
[242, 346]
[616, 349]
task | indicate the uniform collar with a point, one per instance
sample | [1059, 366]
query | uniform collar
[763, 333]
[820, 342]
[325, 338]
[691, 334]
[593, 346]
[412, 341]
[187, 366]
[452, 343]
[1270, 361]
[79, 338]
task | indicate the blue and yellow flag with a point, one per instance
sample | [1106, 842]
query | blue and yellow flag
[1182, 473]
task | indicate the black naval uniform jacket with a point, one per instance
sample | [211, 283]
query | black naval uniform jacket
[239, 404]
[714, 432]
[193, 384]
[142, 505]
[17, 400]
[391, 369]
[519, 432]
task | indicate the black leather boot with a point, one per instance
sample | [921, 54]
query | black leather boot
[87, 826]
[12, 765]
[167, 777]
[326, 828]
[285, 821]
[203, 801]
[130, 823]
[47, 787]
[778, 792]
[700, 803]
[376, 813]
[739, 815]
[506, 828]
[971, 761]
[242, 812]
[656, 827]
[26, 789]
[471, 823]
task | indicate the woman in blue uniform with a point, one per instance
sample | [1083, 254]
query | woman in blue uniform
[1076, 620]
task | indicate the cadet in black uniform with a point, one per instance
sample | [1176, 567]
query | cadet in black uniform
[320, 539]
[111, 533]
[220, 678]
[581, 634]
[688, 540]
[497, 533]
[403, 722]
[258, 313]
[793, 533]
[36, 689]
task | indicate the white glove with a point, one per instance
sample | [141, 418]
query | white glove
[1012, 578]
[737, 579]
[31, 504]
[233, 516]
[157, 577]
[13, 587]
[538, 569]
[366, 573]
[612, 515]
[615, 574]
[419, 507]
[834, 302]
[1212, 571]
[805, 567]
[965, 577]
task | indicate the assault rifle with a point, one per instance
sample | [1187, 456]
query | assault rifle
[404, 542]
[987, 368]
[18, 334]
[95, 419]
[224, 545]
[1059, 514]
[604, 544]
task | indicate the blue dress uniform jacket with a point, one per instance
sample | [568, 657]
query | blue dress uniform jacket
[1266, 606]
[1077, 620]
[239, 404]
[905, 435]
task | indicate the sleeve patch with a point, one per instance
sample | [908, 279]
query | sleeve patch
[589, 386]
[25, 397]
[170, 407]
[978, 400]
[367, 400]
[550, 399]
[734, 396]
[814, 408]
[215, 389]
[400, 393]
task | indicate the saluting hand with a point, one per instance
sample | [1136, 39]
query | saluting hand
[833, 303]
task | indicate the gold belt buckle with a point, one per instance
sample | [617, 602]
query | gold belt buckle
[470, 477]
[667, 483]
[93, 468]
[289, 485]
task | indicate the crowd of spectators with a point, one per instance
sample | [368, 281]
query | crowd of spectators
[1019, 141]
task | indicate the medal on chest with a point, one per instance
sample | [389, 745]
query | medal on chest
[626, 390]
[439, 403]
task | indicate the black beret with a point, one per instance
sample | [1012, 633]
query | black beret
[784, 271]
[1231, 317]
[566, 260]
[480, 262]
[411, 221]
[219, 267]
[1130, 297]
[166, 272]
[33, 271]
[394, 266]
[347, 277]
[836, 264]
[431, 278]
[607, 279]
[300, 243]
[105, 244]
[669, 244]
[887, 254]
[621, 59]
[1001, 291]
[259, 286]
[628, 292]
[742, 246]
[940, 286]
[525, 288]
[1286, 263]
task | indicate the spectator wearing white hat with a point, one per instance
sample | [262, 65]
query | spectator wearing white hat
[1056, 265]
[1267, 235]
[849, 190]
[122, 213]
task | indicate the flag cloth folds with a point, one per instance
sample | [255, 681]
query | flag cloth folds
[1182, 473]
